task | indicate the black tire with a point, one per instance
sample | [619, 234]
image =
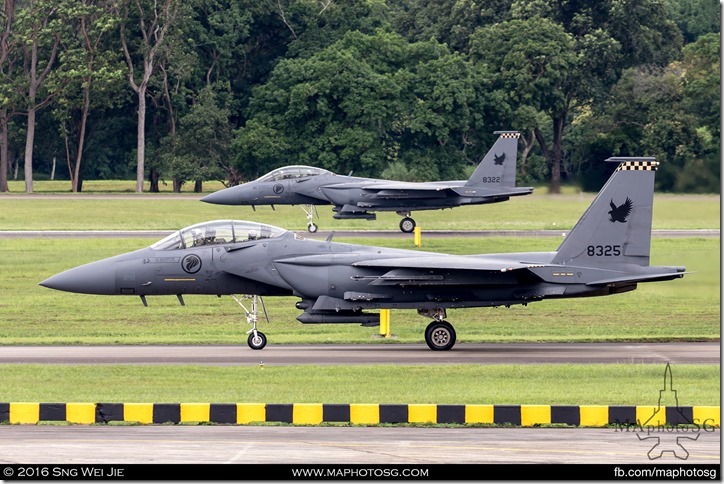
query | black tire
[312, 228]
[407, 225]
[440, 336]
[256, 343]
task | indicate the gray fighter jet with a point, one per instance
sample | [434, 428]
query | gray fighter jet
[606, 252]
[358, 198]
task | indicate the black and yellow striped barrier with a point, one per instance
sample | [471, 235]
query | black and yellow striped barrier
[358, 414]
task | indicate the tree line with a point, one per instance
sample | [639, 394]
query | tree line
[172, 91]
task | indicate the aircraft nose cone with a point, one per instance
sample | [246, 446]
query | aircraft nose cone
[226, 196]
[94, 278]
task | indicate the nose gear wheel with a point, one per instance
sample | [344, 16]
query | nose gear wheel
[256, 339]
[310, 210]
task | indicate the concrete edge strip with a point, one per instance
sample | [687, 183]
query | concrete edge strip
[361, 414]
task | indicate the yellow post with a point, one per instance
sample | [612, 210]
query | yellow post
[418, 237]
[385, 323]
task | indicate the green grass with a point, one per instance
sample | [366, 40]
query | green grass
[107, 186]
[686, 309]
[554, 384]
[138, 212]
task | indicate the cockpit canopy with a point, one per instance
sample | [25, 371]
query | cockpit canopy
[289, 172]
[217, 232]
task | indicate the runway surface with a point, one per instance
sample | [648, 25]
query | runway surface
[187, 444]
[367, 354]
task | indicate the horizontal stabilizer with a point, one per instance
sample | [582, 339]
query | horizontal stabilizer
[506, 192]
[639, 278]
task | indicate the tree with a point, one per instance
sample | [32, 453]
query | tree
[449, 22]
[362, 102]
[199, 151]
[152, 20]
[41, 23]
[647, 115]
[562, 57]
[534, 62]
[9, 59]
[94, 76]
[702, 81]
[696, 17]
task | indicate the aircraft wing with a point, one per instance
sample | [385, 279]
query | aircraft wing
[442, 270]
[432, 189]
[396, 190]
[444, 262]
[406, 189]
[407, 186]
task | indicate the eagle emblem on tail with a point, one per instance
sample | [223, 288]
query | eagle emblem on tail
[620, 213]
[499, 159]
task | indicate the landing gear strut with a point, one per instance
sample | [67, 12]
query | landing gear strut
[256, 339]
[407, 224]
[309, 210]
[439, 334]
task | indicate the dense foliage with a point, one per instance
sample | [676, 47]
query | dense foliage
[179, 92]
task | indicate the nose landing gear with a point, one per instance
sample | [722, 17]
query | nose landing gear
[256, 339]
[310, 210]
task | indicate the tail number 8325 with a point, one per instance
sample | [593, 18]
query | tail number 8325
[604, 250]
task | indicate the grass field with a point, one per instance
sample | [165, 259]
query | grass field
[107, 186]
[554, 384]
[538, 211]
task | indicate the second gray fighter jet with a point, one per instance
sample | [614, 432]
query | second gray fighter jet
[358, 198]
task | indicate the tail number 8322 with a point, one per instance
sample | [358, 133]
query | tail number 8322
[604, 250]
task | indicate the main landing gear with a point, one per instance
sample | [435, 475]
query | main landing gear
[310, 210]
[407, 224]
[256, 339]
[439, 334]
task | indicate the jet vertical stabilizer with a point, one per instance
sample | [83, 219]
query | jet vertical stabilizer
[499, 164]
[617, 225]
